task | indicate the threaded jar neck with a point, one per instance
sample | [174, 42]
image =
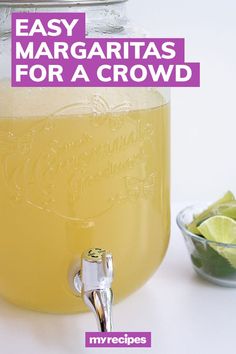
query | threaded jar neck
[53, 3]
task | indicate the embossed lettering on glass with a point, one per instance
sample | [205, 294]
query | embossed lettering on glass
[80, 168]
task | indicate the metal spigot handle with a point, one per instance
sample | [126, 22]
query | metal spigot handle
[93, 283]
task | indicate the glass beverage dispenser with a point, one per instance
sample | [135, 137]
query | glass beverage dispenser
[83, 171]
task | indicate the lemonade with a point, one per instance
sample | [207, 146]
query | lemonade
[79, 171]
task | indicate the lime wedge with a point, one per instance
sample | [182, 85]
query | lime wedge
[228, 209]
[198, 219]
[221, 229]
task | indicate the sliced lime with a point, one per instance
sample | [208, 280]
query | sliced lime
[198, 219]
[228, 209]
[221, 229]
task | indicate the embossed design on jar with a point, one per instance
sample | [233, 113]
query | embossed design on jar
[102, 107]
[137, 189]
[15, 156]
[140, 188]
[78, 171]
[100, 110]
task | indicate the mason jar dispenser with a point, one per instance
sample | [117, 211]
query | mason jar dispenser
[84, 179]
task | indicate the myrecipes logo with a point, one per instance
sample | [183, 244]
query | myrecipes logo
[118, 340]
[51, 49]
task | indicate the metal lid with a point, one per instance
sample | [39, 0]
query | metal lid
[59, 2]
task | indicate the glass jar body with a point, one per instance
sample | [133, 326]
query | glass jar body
[80, 168]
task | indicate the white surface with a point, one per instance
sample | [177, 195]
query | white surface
[203, 120]
[185, 314]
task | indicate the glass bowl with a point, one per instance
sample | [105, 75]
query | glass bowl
[208, 257]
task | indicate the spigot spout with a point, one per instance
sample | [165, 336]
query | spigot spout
[99, 302]
[93, 283]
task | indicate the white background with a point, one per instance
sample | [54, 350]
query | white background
[203, 120]
[185, 314]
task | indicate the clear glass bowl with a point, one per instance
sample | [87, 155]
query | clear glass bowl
[207, 257]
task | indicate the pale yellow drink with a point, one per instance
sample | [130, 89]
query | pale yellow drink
[70, 181]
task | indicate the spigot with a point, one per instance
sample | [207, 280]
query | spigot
[93, 283]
